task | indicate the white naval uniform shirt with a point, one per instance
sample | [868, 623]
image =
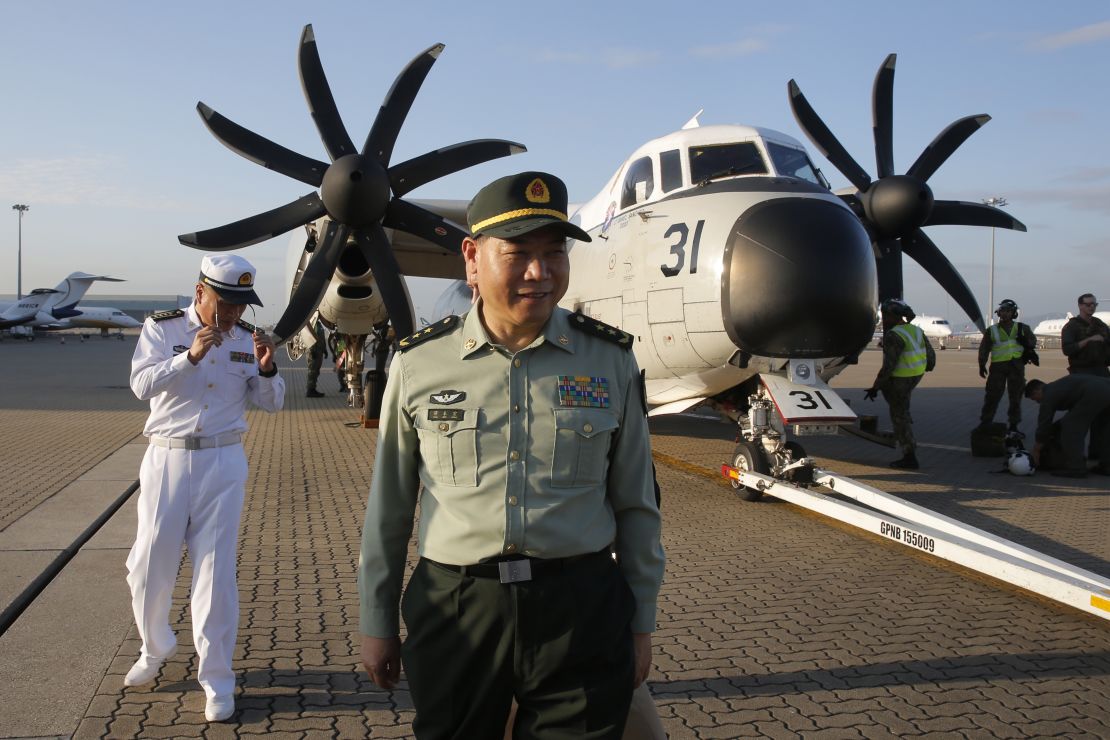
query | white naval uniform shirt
[205, 399]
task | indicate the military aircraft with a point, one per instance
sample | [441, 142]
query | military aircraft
[745, 280]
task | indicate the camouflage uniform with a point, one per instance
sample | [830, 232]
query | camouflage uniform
[315, 357]
[897, 390]
[1005, 375]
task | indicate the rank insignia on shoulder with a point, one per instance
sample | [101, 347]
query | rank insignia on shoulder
[431, 330]
[247, 325]
[171, 314]
[179, 348]
[601, 330]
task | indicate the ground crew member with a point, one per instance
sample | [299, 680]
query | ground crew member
[1087, 401]
[1085, 339]
[316, 355]
[1009, 345]
[525, 424]
[338, 346]
[907, 356]
[198, 367]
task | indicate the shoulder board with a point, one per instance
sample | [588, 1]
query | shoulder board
[431, 330]
[176, 313]
[601, 330]
[247, 325]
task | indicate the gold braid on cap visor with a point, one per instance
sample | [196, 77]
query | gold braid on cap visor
[509, 215]
[224, 286]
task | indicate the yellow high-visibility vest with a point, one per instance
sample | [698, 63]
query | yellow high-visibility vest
[1005, 347]
[911, 362]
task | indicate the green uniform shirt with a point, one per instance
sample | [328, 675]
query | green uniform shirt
[544, 453]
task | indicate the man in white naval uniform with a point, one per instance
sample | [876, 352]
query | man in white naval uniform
[198, 367]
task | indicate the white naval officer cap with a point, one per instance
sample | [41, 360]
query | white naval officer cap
[231, 276]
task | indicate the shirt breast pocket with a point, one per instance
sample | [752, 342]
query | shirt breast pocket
[449, 446]
[582, 438]
[233, 381]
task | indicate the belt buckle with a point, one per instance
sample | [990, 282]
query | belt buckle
[192, 443]
[515, 571]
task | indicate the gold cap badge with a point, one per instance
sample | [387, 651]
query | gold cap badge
[537, 192]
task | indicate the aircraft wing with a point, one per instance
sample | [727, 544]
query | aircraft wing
[419, 257]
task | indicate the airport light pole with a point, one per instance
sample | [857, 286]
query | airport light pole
[996, 202]
[19, 252]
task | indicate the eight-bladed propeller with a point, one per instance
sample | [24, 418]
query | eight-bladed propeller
[895, 207]
[359, 192]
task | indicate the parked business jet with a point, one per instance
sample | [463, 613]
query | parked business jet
[1050, 328]
[47, 308]
[934, 327]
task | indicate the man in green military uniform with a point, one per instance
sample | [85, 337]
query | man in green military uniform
[907, 356]
[1085, 339]
[1009, 345]
[525, 425]
[316, 355]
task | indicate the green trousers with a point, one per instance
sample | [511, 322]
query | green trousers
[560, 643]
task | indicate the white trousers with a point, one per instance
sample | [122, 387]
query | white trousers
[191, 497]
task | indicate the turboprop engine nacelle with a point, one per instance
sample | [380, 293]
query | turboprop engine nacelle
[352, 303]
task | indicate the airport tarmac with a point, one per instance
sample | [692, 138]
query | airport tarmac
[773, 622]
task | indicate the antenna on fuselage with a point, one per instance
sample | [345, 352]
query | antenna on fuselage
[693, 122]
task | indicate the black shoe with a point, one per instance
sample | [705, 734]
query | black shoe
[313, 393]
[1069, 473]
[908, 462]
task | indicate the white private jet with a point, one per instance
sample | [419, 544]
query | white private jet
[934, 327]
[1050, 328]
[745, 281]
[57, 308]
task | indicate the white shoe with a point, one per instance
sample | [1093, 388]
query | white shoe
[146, 668]
[219, 708]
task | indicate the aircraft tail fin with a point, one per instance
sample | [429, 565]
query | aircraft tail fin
[73, 288]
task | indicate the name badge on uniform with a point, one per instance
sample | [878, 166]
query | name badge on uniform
[245, 357]
[179, 348]
[445, 414]
[583, 391]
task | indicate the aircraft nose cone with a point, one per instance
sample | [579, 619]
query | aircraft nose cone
[799, 280]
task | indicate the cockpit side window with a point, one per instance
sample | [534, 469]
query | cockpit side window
[639, 182]
[725, 160]
[792, 162]
[670, 170]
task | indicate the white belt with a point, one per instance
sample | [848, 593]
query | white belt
[197, 443]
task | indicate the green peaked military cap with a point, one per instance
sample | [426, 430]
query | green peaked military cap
[515, 205]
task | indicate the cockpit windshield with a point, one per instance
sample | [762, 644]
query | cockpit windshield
[725, 160]
[793, 163]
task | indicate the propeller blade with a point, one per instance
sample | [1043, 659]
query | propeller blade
[424, 224]
[888, 266]
[261, 150]
[321, 104]
[923, 251]
[378, 253]
[824, 140]
[882, 116]
[383, 134]
[947, 141]
[964, 213]
[310, 289]
[257, 228]
[409, 175]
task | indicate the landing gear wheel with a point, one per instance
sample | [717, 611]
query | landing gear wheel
[748, 457]
[801, 476]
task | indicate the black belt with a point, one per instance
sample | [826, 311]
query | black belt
[539, 566]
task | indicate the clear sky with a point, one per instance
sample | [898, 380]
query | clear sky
[100, 137]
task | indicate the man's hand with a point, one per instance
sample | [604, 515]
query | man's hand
[982, 371]
[641, 648]
[381, 656]
[871, 394]
[205, 339]
[264, 350]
